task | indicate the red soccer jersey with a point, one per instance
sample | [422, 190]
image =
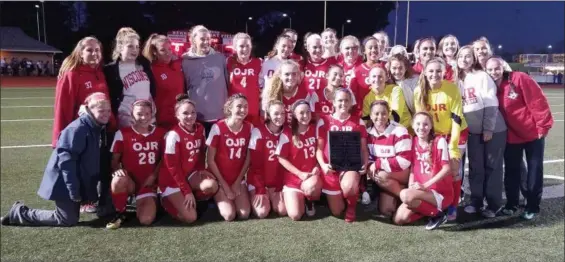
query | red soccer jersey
[324, 106]
[360, 83]
[184, 153]
[315, 74]
[231, 148]
[140, 152]
[348, 69]
[264, 169]
[71, 91]
[296, 57]
[329, 123]
[300, 93]
[301, 154]
[244, 79]
[169, 80]
[424, 169]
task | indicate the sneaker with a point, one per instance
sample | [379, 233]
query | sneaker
[88, 208]
[310, 209]
[488, 213]
[528, 215]
[508, 211]
[436, 221]
[451, 213]
[365, 198]
[470, 209]
[116, 222]
[5, 220]
[350, 213]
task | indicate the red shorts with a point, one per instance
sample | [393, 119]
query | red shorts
[443, 200]
[292, 183]
[331, 183]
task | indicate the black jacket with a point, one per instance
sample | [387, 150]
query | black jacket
[116, 86]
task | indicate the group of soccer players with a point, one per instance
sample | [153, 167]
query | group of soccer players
[269, 152]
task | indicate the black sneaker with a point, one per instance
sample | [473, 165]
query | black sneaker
[117, 221]
[5, 220]
[436, 221]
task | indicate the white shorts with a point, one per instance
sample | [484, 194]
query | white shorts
[290, 189]
[169, 191]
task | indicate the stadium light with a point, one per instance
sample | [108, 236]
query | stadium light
[248, 19]
[348, 21]
[37, 13]
[289, 19]
[499, 46]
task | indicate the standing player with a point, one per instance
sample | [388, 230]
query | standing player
[135, 164]
[360, 82]
[349, 57]
[393, 95]
[296, 152]
[430, 188]
[244, 75]
[281, 51]
[285, 87]
[383, 44]
[329, 41]
[293, 36]
[447, 49]
[265, 177]
[315, 66]
[424, 51]
[390, 148]
[169, 78]
[228, 158]
[182, 176]
[402, 74]
[343, 185]
[442, 99]
[322, 99]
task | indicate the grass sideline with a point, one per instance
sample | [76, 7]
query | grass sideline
[322, 238]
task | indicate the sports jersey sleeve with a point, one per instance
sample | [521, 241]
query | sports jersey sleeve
[369, 98]
[118, 143]
[283, 147]
[398, 106]
[490, 102]
[213, 137]
[536, 103]
[417, 104]
[442, 151]
[403, 153]
[362, 129]
[173, 161]
[321, 130]
[456, 106]
[201, 164]
[64, 108]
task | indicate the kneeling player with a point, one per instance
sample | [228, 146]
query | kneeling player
[296, 152]
[264, 178]
[136, 154]
[431, 184]
[343, 185]
[183, 174]
[228, 158]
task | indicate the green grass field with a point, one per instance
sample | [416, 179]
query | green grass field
[323, 238]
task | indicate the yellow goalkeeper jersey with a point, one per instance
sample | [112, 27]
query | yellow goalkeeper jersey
[395, 97]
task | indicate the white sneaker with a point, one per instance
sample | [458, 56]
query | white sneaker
[310, 209]
[488, 213]
[365, 198]
[470, 209]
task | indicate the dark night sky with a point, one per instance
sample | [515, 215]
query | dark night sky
[514, 25]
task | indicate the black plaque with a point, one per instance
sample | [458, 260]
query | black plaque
[345, 150]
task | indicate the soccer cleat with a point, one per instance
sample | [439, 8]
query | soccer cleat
[528, 215]
[451, 213]
[5, 220]
[310, 209]
[436, 221]
[470, 209]
[116, 222]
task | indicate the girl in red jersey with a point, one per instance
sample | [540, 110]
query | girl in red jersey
[528, 116]
[344, 185]
[285, 87]
[169, 79]
[360, 83]
[228, 158]
[296, 153]
[135, 164]
[182, 176]
[390, 148]
[315, 66]
[281, 51]
[264, 178]
[447, 49]
[329, 42]
[322, 100]
[349, 57]
[401, 74]
[424, 51]
[244, 74]
[383, 44]
[430, 187]
[293, 36]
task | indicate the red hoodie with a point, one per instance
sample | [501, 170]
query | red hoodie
[71, 91]
[169, 80]
[524, 107]
[418, 67]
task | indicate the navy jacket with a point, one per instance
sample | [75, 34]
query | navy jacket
[73, 170]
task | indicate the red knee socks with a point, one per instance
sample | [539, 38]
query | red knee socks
[120, 200]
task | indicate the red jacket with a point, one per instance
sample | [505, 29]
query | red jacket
[524, 107]
[71, 91]
[169, 81]
[418, 67]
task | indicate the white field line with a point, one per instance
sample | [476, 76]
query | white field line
[558, 120]
[557, 113]
[26, 98]
[24, 88]
[26, 120]
[26, 146]
[27, 106]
